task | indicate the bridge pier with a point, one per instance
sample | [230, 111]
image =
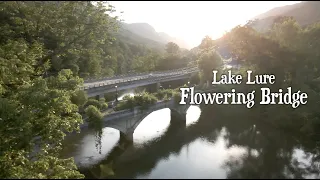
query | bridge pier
[178, 117]
[97, 97]
[158, 86]
[126, 137]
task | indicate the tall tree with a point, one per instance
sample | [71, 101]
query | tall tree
[36, 111]
[208, 62]
[206, 43]
[72, 32]
[172, 48]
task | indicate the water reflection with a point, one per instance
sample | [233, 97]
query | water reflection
[153, 126]
[83, 146]
[219, 144]
[198, 159]
[193, 115]
[304, 160]
[157, 123]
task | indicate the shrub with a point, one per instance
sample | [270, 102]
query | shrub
[166, 98]
[104, 106]
[144, 99]
[126, 104]
[94, 115]
[93, 102]
[126, 97]
[164, 92]
[102, 100]
[177, 97]
[79, 98]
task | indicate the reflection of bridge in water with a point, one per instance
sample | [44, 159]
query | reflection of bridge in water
[126, 121]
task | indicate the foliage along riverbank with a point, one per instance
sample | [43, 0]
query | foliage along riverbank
[95, 108]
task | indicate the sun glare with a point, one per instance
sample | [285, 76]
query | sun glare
[192, 20]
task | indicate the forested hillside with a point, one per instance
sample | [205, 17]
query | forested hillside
[96, 48]
[305, 13]
[46, 49]
[147, 31]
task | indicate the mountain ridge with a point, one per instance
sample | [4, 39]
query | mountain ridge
[275, 11]
[145, 30]
[306, 13]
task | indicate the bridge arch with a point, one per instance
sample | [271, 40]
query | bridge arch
[128, 124]
[126, 121]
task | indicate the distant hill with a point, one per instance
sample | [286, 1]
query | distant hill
[278, 11]
[307, 12]
[130, 37]
[145, 30]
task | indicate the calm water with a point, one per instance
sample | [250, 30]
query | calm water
[214, 144]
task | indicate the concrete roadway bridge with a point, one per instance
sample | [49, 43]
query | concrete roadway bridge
[123, 82]
[126, 121]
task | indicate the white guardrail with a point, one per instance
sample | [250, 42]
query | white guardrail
[136, 77]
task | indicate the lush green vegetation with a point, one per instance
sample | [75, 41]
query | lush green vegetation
[94, 115]
[99, 104]
[291, 53]
[306, 13]
[143, 99]
[47, 48]
[177, 97]
[166, 93]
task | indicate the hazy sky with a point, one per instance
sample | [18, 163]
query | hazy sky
[192, 20]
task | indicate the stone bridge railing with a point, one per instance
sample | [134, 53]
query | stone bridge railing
[136, 77]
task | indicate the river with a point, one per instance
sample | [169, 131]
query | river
[215, 143]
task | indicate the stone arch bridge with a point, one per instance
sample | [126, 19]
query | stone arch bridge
[126, 121]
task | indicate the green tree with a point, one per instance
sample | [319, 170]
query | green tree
[79, 98]
[146, 63]
[293, 61]
[206, 43]
[208, 62]
[72, 32]
[287, 32]
[172, 48]
[93, 102]
[37, 109]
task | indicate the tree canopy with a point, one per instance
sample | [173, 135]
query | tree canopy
[42, 47]
[46, 49]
